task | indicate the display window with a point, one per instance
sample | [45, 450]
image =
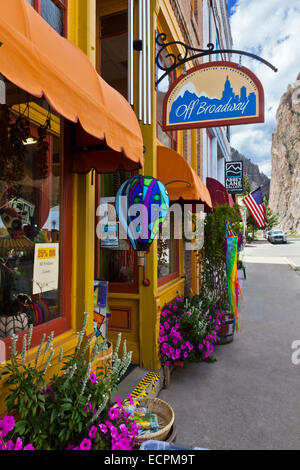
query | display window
[31, 255]
[116, 260]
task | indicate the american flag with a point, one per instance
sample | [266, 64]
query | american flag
[255, 203]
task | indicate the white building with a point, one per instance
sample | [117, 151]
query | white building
[216, 30]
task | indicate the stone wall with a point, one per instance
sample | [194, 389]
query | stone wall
[285, 176]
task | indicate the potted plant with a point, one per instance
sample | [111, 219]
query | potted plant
[58, 410]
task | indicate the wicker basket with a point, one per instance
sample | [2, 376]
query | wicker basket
[165, 416]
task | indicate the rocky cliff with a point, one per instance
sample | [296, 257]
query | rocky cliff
[256, 178]
[285, 176]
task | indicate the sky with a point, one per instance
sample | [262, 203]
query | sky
[271, 30]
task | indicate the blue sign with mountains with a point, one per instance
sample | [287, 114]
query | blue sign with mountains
[189, 107]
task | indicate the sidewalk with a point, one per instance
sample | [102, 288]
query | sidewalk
[247, 399]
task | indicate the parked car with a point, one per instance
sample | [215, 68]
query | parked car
[277, 236]
[266, 234]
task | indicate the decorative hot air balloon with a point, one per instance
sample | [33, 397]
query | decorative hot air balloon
[142, 204]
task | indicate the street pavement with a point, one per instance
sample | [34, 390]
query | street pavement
[249, 398]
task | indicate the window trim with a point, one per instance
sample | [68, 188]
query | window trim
[59, 4]
[174, 275]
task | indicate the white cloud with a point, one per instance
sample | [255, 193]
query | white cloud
[271, 30]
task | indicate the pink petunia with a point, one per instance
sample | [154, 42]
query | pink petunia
[118, 401]
[131, 399]
[29, 447]
[19, 444]
[103, 428]
[93, 378]
[86, 444]
[114, 414]
[93, 432]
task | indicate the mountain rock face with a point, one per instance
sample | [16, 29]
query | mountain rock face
[285, 177]
[256, 178]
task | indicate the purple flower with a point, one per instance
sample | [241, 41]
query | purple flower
[86, 444]
[93, 432]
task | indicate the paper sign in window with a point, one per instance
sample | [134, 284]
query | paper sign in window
[46, 268]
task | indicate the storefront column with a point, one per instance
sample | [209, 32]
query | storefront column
[149, 323]
[81, 29]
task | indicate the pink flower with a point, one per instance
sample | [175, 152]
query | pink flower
[93, 432]
[103, 428]
[29, 447]
[118, 401]
[114, 432]
[131, 399]
[86, 444]
[123, 429]
[93, 378]
[19, 444]
[114, 414]
[9, 422]
[10, 445]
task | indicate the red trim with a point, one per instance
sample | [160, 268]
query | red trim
[59, 4]
[221, 122]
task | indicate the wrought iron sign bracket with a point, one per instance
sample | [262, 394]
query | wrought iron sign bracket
[192, 53]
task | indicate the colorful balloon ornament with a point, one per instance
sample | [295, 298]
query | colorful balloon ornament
[142, 204]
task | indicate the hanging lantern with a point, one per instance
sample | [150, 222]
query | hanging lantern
[142, 204]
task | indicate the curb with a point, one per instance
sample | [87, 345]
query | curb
[292, 266]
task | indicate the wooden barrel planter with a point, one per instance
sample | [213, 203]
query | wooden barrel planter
[226, 332]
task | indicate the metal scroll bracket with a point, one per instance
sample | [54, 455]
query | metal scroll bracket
[191, 53]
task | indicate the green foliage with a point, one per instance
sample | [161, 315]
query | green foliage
[213, 255]
[246, 184]
[272, 218]
[53, 415]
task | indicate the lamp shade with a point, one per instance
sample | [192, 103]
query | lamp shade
[142, 204]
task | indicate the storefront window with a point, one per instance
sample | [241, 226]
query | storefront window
[30, 232]
[117, 258]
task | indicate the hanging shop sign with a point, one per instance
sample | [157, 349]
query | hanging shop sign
[234, 180]
[213, 95]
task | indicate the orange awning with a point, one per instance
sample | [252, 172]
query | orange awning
[181, 181]
[37, 59]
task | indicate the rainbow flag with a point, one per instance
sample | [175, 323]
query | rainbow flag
[232, 278]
